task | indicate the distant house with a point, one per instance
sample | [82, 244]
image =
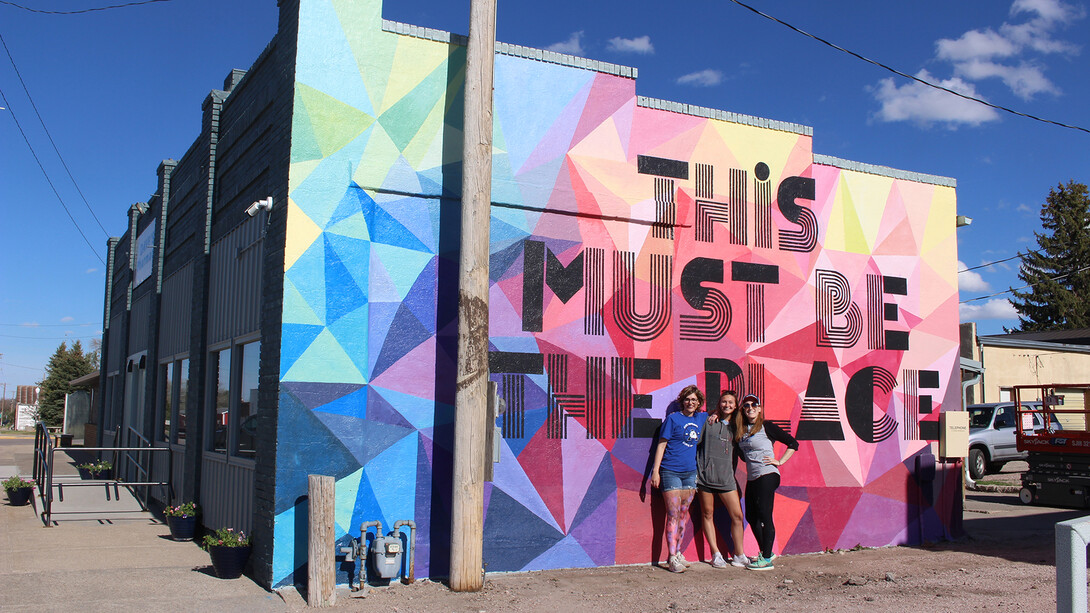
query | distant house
[1060, 357]
[26, 407]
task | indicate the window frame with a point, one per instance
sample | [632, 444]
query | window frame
[238, 351]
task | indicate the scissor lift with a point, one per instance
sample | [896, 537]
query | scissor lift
[1059, 459]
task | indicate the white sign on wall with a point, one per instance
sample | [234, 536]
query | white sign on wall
[145, 253]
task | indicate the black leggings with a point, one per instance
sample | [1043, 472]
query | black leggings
[760, 494]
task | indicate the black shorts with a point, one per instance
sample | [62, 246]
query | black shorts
[714, 490]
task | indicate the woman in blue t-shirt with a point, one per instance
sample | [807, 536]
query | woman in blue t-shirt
[675, 468]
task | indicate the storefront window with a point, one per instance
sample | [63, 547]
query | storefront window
[247, 404]
[221, 416]
[183, 395]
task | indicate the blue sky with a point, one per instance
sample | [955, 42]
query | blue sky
[120, 90]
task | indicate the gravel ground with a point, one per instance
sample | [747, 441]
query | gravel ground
[1005, 563]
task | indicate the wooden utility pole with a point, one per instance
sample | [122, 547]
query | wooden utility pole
[471, 395]
[322, 543]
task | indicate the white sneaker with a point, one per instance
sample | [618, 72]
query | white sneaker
[681, 556]
[675, 564]
[718, 561]
[740, 561]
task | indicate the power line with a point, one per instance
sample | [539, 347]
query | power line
[998, 261]
[18, 366]
[1015, 289]
[50, 137]
[47, 179]
[25, 325]
[90, 10]
[906, 75]
[49, 338]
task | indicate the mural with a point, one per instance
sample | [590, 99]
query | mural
[634, 251]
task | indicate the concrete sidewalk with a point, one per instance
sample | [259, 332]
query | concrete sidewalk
[108, 556]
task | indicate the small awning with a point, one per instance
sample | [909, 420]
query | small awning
[88, 380]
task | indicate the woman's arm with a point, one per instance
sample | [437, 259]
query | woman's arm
[659, 449]
[777, 435]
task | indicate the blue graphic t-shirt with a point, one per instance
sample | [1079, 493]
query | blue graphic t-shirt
[681, 434]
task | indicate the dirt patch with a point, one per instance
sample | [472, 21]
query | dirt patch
[970, 575]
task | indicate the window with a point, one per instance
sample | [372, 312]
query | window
[167, 378]
[173, 385]
[183, 396]
[235, 372]
[221, 370]
[247, 402]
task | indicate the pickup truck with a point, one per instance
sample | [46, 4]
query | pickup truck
[992, 440]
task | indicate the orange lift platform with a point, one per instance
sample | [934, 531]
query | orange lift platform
[1059, 457]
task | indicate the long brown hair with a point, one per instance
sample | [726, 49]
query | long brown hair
[753, 428]
[735, 418]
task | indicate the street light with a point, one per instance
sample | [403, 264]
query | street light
[962, 220]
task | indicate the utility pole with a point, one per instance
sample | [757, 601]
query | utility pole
[471, 394]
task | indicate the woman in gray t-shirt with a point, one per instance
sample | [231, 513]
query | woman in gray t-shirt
[715, 463]
[755, 440]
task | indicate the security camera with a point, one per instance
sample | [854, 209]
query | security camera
[265, 204]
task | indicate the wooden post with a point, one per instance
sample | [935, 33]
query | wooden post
[321, 563]
[471, 395]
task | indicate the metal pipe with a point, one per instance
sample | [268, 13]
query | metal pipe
[361, 572]
[411, 577]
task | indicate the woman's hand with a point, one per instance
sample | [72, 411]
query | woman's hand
[713, 417]
[771, 461]
[655, 478]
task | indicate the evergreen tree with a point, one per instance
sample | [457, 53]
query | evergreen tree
[1058, 272]
[65, 365]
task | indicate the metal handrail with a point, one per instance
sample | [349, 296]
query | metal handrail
[44, 463]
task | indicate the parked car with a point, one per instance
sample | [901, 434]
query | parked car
[992, 437]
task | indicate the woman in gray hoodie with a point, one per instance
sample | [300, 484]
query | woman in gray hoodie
[716, 461]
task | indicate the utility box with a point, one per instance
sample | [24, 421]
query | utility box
[954, 434]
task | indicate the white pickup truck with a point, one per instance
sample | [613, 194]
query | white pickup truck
[992, 440]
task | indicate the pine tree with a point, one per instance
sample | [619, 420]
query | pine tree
[1057, 273]
[65, 364]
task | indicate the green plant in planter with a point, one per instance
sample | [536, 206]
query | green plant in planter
[186, 509]
[17, 483]
[226, 537]
[97, 468]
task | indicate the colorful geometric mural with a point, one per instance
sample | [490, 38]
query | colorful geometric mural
[634, 251]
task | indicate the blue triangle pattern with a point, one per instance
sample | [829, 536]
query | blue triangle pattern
[405, 333]
[295, 453]
[363, 438]
[513, 536]
[342, 295]
[294, 340]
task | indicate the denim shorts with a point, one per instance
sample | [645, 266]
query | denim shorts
[671, 480]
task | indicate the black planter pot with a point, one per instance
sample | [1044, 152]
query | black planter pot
[229, 562]
[84, 473]
[182, 528]
[20, 496]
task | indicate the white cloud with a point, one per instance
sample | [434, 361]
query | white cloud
[703, 78]
[67, 319]
[1025, 208]
[640, 44]
[997, 308]
[572, 46]
[926, 105]
[1025, 80]
[975, 44]
[1012, 53]
[971, 281]
[90, 271]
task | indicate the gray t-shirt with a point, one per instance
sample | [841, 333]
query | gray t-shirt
[756, 447]
[715, 457]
